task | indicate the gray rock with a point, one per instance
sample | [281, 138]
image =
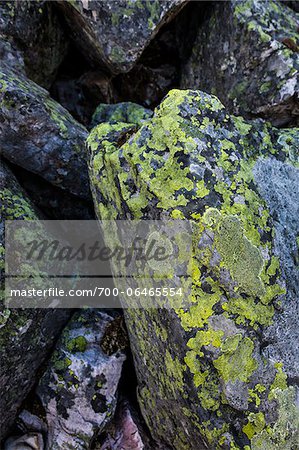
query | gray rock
[246, 53]
[30, 441]
[115, 33]
[125, 433]
[78, 390]
[32, 39]
[39, 135]
[26, 336]
[278, 184]
[213, 380]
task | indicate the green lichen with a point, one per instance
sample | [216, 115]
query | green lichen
[77, 344]
[236, 350]
[120, 113]
[239, 255]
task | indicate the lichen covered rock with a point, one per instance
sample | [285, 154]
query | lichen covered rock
[115, 33]
[32, 39]
[26, 336]
[223, 371]
[78, 390]
[246, 53]
[126, 112]
[39, 135]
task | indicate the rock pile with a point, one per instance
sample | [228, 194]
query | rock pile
[149, 110]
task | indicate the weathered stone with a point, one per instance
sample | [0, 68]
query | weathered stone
[53, 202]
[126, 112]
[116, 33]
[78, 389]
[246, 53]
[223, 373]
[156, 72]
[39, 135]
[33, 441]
[34, 39]
[124, 434]
[26, 336]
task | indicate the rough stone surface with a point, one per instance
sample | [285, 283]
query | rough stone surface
[115, 33]
[32, 39]
[41, 136]
[53, 202]
[26, 336]
[33, 441]
[246, 53]
[221, 375]
[278, 184]
[78, 389]
[126, 112]
[125, 433]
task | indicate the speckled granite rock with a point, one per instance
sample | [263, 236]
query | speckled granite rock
[115, 33]
[224, 370]
[78, 389]
[32, 39]
[41, 136]
[26, 336]
[126, 112]
[246, 53]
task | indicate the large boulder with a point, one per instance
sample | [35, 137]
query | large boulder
[115, 33]
[246, 53]
[26, 336]
[39, 135]
[224, 370]
[79, 388]
[32, 39]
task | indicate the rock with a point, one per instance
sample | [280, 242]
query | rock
[125, 434]
[78, 389]
[224, 372]
[126, 112]
[30, 422]
[246, 53]
[155, 73]
[146, 85]
[116, 33]
[29, 441]
[39, 135]
[33, 38]
[26, 336]
[53, 202]
[80, 96]
[292, 4]
[11, 55]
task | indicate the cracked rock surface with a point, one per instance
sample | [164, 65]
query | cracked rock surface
[246, 53]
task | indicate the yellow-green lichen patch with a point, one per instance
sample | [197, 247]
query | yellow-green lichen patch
[239, 255]
[235, 350]
[77, 344]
